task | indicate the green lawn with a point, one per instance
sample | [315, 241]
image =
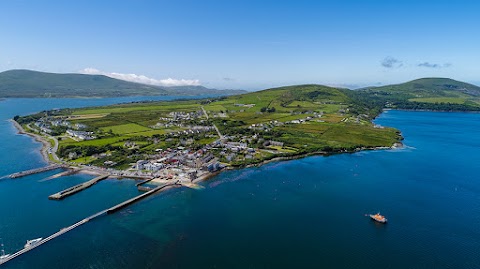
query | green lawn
[215, 107]
[166, 107]
[94, 142]
[83, 160]
[126, 128]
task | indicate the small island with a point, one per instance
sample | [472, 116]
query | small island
[188, 140]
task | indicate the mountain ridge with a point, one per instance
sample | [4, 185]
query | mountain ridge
[28, 83]
[435, 83]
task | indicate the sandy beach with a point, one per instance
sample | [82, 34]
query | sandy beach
[45, 143]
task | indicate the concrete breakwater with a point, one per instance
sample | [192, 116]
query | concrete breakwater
[36, 171]
[70, 171]
[140, 186]
[77, 188]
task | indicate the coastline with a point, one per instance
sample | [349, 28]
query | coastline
[45, 143]
[396, 145]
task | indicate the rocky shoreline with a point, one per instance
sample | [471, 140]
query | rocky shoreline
[316, 153]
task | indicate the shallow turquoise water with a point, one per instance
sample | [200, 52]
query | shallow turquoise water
[307, 213]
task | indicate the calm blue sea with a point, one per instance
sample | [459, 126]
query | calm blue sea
[307, 213]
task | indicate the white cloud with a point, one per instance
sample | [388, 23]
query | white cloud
[143, 79]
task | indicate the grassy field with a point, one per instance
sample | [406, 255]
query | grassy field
[94, 142]
[87, 116]
[336, 135]
[126, 128]
[187, 105]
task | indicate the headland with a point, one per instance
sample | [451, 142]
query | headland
[189, 139]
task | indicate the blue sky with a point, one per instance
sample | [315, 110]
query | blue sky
[245, 44]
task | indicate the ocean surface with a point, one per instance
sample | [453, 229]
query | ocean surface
[306, 213]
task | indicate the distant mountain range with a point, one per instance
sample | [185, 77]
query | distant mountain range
[425, 93]
[33, 84]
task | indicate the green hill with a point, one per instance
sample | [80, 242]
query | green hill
[299, 99]
[429, 87]
[32, 84]
[426, 93]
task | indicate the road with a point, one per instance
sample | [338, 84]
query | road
[205, 112]
[214, 126]
[48, 149]
[54, 149]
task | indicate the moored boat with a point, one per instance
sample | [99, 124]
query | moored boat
[3, 256]
[33, 242]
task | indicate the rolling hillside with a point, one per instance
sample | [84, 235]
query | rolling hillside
[426, 93]
[428, 87]
[33, 84]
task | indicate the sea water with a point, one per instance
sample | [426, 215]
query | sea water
[306, 213]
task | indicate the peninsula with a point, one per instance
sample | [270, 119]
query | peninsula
[193, 138]
[188, 139]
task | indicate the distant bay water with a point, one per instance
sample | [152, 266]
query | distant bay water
[306, 213]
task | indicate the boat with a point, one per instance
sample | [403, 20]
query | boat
[33, 242]
[378, 218]
[3, 256]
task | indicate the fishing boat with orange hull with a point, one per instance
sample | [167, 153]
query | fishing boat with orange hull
[378, 218]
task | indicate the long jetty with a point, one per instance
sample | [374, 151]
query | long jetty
[141, 196]
[36, 171]
[85, 220]
[77, 188]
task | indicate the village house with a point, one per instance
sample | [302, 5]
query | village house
[81, 134]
